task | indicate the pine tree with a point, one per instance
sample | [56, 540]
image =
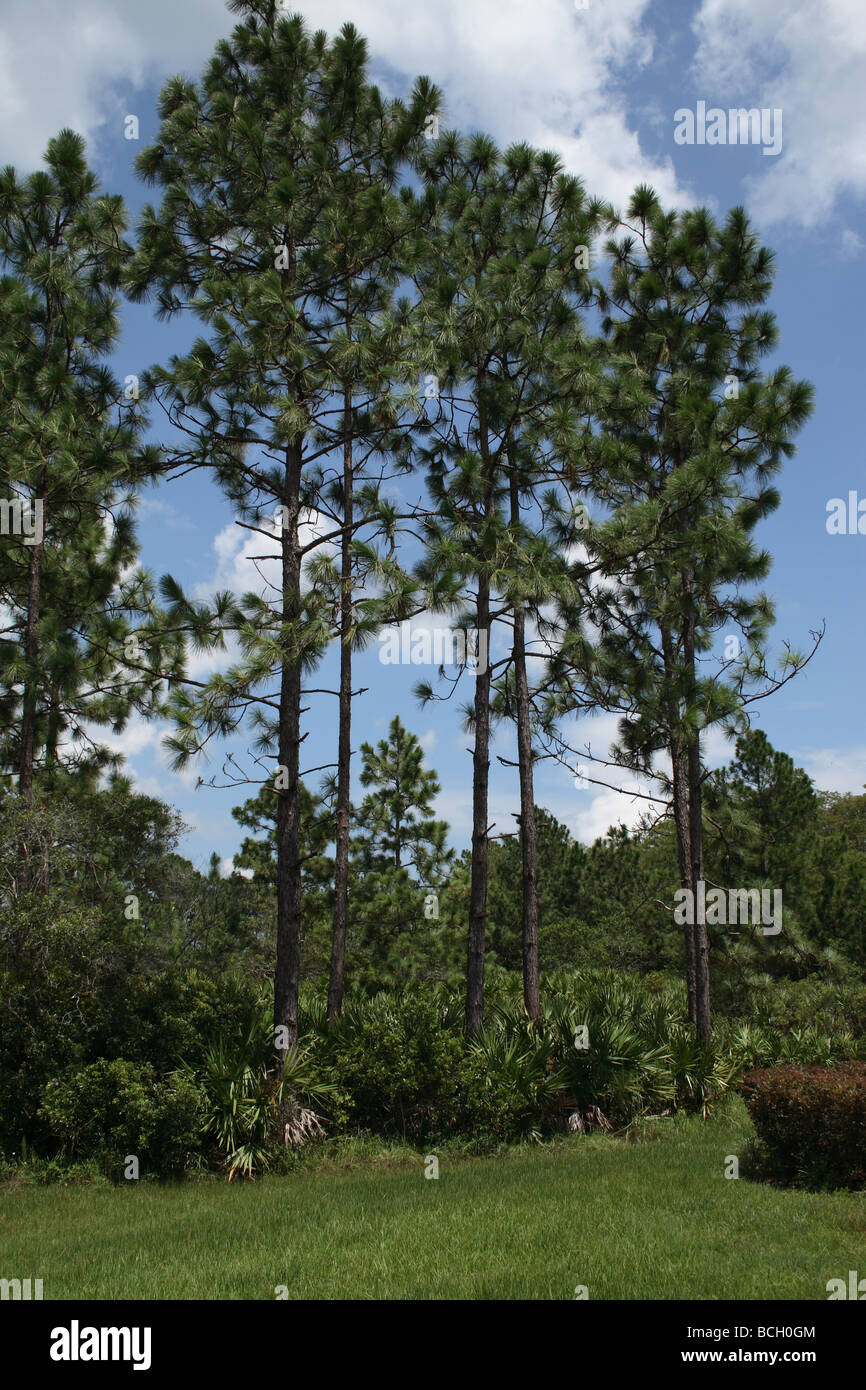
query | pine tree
[249, 161]
[400, 854]
[72, 454]
[764, 814]
[498, 294]
[395, 826]
[692, 432]
[360, 267]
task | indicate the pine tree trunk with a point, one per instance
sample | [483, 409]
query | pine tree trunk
[679, 778]
[528, 845]
[480, 759]
[703, 1022]
[480, 777]
[344, 746]
[680, 789]
[27, 752]
[702, 945]
[288, 962]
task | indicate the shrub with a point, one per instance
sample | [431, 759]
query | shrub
[810, 1123]
[109, 1110]
[248, 1114]
[521, 1084]
[406, 1070]
[47, 1172]
[640, 1053]
[170, 1018]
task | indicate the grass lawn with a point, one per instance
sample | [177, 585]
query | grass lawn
[655, 1219]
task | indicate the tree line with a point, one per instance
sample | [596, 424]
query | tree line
[434, 377]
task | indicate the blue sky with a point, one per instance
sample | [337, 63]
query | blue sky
[600, 84]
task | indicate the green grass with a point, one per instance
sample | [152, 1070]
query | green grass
[646, 1220]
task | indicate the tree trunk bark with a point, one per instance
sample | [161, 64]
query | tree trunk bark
[288, 962]
[703, 1023]
[27, 752]
[344, 744]
[480, 776]
[480, 761]
[703, 1020]
[679, 778]
[528, 844]
[680, 788]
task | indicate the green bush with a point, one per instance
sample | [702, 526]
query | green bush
[406, 1068]
[637, 1052]
[249, 1115]
[169, 1019]
[109, 1110]
[403, 1067]
[834, 1006]
[810, 1123]
[47, 1172]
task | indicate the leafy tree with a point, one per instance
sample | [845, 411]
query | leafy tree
[777, 808]
[260, 854]
[395, 826]
[831, 902]
[361, 265]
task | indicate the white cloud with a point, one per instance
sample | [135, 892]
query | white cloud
[542, 72]
[834, 769]
[227, 868]
[140, 735]
[852, 243]
[809, 59]
[240, 567]
[606, 809]
[77, 64]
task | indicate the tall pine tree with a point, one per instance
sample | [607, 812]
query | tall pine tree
[250, 164]
[692, 432]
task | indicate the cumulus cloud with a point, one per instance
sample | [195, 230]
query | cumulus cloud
[78, 64]
[808, 58]
[834, 769]
[249, 562]
[547, 72]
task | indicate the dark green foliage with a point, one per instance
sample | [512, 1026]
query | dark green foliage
[692, 432]
[811, 1124]
[78, 980]
[249, 1114]
[404, 1069]
[111, 1110]
[764, 811]
[82, 644]
[136, 982]
[399, 866]
[168, 1019]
